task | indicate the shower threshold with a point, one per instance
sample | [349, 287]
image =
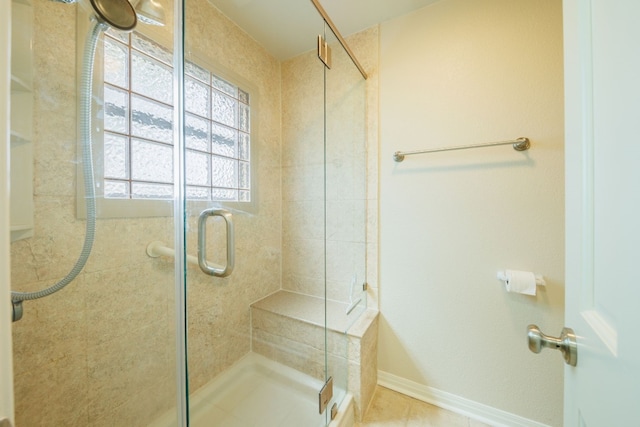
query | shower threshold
[257, 391]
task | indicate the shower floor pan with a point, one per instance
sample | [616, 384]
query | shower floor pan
[259, 392]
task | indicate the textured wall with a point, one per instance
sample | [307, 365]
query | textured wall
[82, 354]
[324, 158]
[365, 45]
[219, 308]
[462, 72]
[303, 174]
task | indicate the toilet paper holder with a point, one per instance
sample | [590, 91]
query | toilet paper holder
[539, 279]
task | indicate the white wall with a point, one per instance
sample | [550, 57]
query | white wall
[462, 72]
[6, 370]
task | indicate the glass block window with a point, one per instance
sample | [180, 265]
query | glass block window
[138, 126]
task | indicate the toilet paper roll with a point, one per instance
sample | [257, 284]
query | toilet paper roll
[521, 282]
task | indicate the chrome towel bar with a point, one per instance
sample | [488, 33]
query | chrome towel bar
[520, 144]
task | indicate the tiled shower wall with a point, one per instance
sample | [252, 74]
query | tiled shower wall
[81, 354]
[102, 351]
[219, 317]
[351, 171]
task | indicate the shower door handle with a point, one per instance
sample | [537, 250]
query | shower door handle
[215, 270]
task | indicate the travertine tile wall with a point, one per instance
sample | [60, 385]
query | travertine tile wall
[351, 172]
[363, 360]
[303, 174]
[365, 46]
[219, 316]
[345, 148]
[102, 351]
[81, 354]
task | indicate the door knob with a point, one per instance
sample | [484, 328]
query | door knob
[567, 343]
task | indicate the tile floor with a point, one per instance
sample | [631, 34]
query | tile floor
[392, 409]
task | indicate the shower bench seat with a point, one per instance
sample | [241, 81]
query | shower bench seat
[288, 328]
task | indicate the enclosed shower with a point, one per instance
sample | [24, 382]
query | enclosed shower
[189, 215]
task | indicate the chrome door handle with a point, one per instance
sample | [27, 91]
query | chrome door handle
[219, 271]
[567, 343]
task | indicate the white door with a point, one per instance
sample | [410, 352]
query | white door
[602, 89]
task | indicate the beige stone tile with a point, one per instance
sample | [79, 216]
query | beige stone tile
[56, 245]
[139, 410]
[302, 357]
[301, 283]
[372, 221]
[125, 298]
[345, 262]
[303, 182]
[53, 394]
[303, 219]
[305, 256]
[369, 364]
[51, 329]
[372, 297]
[292, 305]
[211, 353]
[120, 242]
[342, 221]
[119, 368]
[339, 290]
[288, 333]
[388, 409]
[424, 414]
[23, 266]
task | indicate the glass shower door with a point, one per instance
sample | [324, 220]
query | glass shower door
[255, 199]
[346, 214]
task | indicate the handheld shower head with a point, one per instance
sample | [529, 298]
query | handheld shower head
[122, 15]
[116, 13]
[150, 12]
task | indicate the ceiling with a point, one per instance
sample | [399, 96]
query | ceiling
[287, 28]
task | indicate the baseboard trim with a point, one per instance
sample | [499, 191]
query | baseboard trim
[460, 405]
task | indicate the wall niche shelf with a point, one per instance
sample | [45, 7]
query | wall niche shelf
[21, 214]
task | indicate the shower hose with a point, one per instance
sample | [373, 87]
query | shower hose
[87, 168]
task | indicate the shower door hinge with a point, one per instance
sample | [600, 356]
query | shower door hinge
[325, 395]
[365, 286]
[324, 52]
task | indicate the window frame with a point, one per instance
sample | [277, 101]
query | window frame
[138, 207]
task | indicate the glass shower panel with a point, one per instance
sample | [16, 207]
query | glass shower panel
[256, 346]
[82, 353]
[346, 201]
